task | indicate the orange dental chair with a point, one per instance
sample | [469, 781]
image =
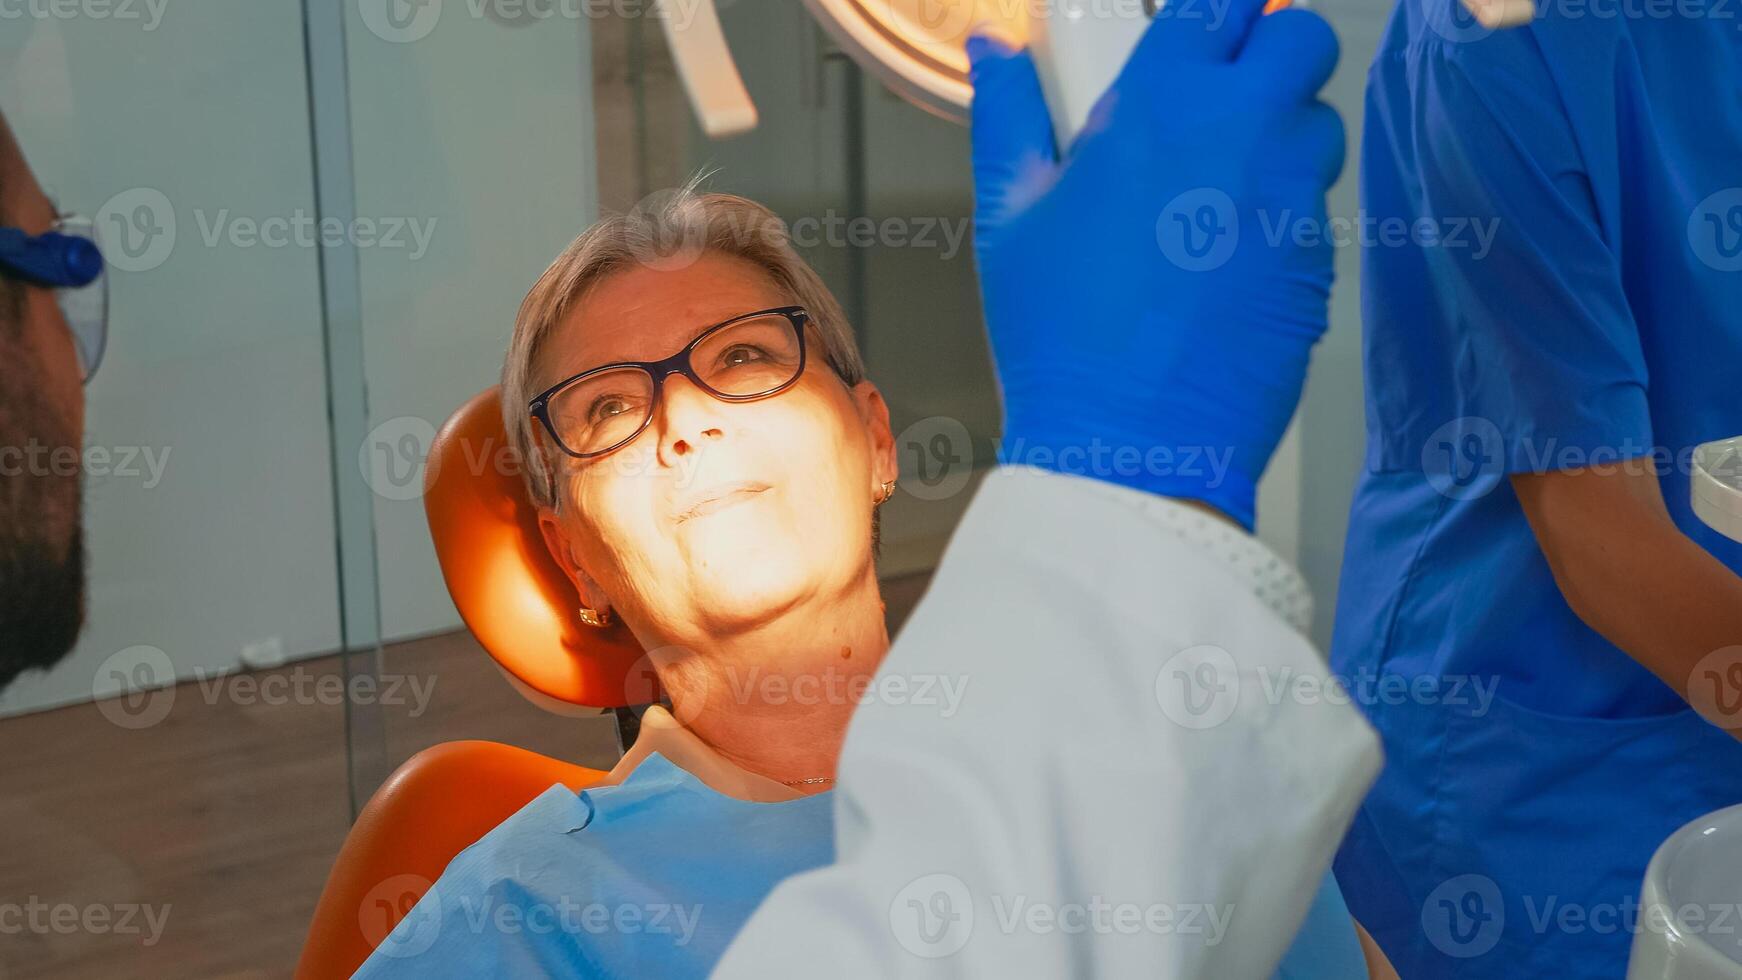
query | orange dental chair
[521, 608]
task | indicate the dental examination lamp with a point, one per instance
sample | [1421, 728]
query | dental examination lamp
[1717, 486]
[916, 48]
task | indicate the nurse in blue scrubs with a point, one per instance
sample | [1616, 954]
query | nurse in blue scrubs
[1552, 305]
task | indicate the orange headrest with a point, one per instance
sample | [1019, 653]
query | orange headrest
[510, 592]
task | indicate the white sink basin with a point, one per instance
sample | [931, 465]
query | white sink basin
[1688, 928]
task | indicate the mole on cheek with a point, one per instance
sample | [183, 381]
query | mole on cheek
[846, 653]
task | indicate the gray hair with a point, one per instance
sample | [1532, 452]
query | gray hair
[667, 230]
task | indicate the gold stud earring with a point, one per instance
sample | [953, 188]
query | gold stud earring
[596, 618]
[888, 491]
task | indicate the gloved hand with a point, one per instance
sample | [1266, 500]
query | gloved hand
[1150, 300]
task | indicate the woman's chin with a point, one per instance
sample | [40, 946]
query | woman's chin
[748, 564]
[753, 582]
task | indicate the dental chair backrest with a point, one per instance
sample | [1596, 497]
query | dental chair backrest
[520, 606]
[510, 592]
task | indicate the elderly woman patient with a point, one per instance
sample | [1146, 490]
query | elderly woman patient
[708, 460]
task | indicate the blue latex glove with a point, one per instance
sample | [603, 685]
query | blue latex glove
[1150, 308]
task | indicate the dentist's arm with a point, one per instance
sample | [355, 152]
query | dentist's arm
[1129, 782]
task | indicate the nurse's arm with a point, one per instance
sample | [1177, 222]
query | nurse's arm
[1630, 573]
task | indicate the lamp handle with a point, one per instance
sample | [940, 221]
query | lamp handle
[704, 63]
[1077, 58]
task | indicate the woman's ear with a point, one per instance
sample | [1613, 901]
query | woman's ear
[885, 460]
[556, 541]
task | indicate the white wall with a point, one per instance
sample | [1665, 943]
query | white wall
[215, 359]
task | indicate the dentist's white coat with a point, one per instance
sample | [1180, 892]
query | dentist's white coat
[982, 844]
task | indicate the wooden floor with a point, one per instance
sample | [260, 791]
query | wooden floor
[219, 822]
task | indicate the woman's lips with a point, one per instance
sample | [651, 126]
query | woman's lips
[719, 498]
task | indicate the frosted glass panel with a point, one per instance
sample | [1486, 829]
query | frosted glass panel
[476, 138]
[210, 530]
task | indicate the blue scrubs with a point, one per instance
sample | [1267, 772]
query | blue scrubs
[653, 878]
[1552, 277]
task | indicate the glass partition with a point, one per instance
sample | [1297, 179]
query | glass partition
[181, 773]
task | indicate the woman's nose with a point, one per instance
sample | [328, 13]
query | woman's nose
[688, 419]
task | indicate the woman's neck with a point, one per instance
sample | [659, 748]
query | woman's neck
[777, 701]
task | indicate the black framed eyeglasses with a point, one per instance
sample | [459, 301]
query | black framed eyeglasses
[745, 358]
[67, 260]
